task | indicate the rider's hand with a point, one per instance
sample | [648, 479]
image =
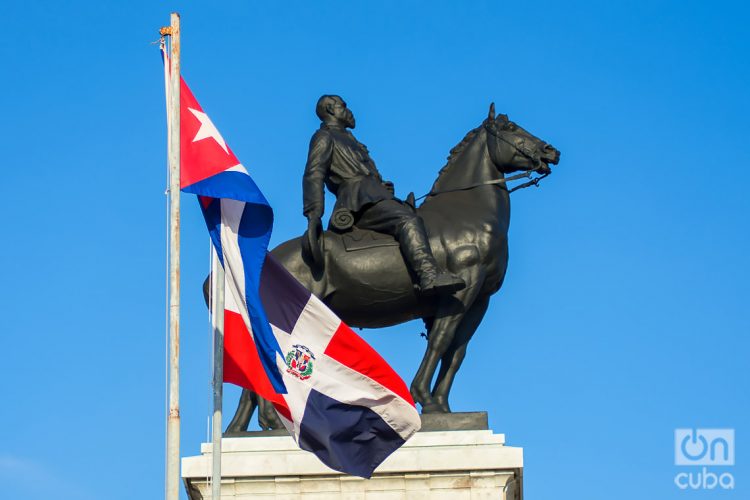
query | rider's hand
[389, 186]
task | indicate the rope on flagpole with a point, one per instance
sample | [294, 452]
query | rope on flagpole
[162, 47]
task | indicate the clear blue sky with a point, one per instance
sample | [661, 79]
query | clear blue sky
[624, 314]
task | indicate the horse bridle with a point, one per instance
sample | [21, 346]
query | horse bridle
[519, 146]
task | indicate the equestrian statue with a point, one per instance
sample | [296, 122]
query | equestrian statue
[385, 261]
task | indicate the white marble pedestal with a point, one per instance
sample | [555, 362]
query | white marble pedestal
[454, 465]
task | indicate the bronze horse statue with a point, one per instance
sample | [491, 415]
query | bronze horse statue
[467, 214]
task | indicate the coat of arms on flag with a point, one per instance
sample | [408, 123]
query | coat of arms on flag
[300, 361]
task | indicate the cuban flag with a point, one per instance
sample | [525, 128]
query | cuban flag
[336, 396]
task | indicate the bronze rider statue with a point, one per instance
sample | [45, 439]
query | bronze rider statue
[339, 161]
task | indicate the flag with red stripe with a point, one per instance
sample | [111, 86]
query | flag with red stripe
[337, 397]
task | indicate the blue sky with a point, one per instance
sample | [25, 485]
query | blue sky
[624, 313]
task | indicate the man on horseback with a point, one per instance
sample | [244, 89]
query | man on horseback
[339, 161]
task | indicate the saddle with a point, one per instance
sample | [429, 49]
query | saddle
[363, 239]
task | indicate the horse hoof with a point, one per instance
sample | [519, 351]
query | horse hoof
[444, 408]
[419, 396]
[269, 421]
[233, 428]
[434, 408]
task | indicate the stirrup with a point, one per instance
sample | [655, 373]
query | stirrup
[444, 282]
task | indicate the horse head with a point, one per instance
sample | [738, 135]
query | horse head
[513, 148]
[490, 151]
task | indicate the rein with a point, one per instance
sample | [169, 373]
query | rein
[527, 174]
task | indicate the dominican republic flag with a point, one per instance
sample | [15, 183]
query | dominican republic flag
[337, 397]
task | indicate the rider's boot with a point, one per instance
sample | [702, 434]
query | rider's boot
[416, 247]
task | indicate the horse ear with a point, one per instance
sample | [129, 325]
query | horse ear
[491, 115]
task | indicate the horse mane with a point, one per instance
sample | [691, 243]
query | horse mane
[458, 148]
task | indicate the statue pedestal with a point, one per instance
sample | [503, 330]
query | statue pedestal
[435, 464]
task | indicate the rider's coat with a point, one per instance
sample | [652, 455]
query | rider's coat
[338, 160]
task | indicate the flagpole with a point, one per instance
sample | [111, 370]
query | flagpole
[173, 419]
[217, 317]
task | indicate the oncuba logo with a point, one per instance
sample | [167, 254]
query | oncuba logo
[299, 362]
[704, 447]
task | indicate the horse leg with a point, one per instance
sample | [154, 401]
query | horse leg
[454, 356]
[268, 419]
[441, 403]
[450, 313]
[439, 338]
[245, 408]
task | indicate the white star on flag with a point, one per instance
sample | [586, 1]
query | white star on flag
[207, 129]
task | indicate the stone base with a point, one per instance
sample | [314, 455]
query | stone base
[452, 465]
[459, 421]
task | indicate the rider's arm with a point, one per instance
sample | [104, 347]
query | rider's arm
[318, 163]
[387, 184]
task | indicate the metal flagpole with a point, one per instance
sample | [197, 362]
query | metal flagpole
[173, 420]
[217, 317]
